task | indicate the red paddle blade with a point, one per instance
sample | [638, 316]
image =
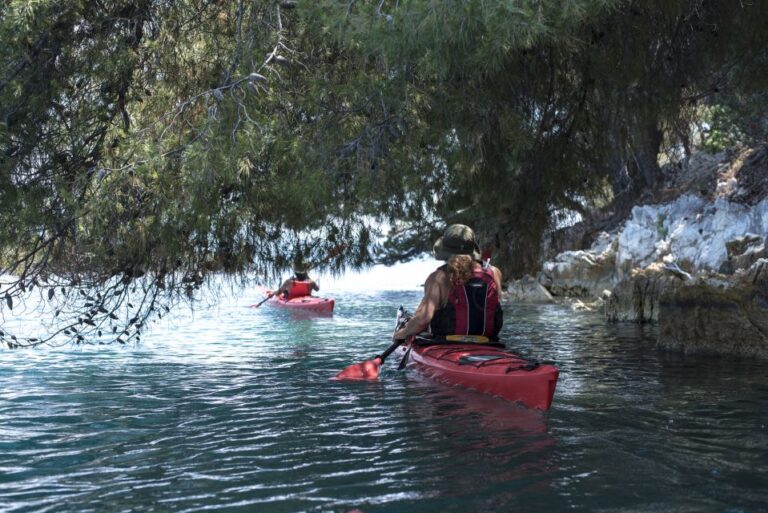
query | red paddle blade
[365, 370]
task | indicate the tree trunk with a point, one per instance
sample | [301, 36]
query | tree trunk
[643, 158]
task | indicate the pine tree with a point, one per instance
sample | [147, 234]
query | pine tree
[147, 146]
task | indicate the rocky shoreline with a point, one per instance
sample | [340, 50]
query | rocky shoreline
[696, 264]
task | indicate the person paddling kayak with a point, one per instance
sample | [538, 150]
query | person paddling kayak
[296, 294]
[461, 297]
[461, 311]
[299, 285]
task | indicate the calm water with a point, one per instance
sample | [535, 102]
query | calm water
[233, 410]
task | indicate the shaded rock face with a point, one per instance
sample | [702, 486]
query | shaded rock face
[636, 299]
[528, 290]
[751, 177]
[739, 245]
[743, 252]
[582, 273]
[718, 316]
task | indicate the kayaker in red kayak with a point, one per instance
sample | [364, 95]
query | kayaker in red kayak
[299, 285]
[461, 309]
[460, 297]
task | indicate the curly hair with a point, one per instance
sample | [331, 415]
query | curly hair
[459, 268]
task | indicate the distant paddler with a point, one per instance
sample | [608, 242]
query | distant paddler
[298, 285]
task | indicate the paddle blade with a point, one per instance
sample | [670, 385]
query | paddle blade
[368, 369]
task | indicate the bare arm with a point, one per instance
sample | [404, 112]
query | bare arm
[497, 277]
[429, 303]
[313, 284]
[283, 288]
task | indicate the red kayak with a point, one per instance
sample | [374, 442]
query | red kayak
[306, 303]
[485, 368]
[469, 361]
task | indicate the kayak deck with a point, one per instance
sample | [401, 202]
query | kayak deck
[487, 369]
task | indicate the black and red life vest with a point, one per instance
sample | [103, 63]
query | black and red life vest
[473, 308]
[299, 288]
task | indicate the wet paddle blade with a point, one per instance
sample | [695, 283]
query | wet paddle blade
[366, 370]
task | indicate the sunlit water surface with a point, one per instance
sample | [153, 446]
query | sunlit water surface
[232, 409]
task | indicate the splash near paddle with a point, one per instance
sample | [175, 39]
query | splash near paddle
[369, 369]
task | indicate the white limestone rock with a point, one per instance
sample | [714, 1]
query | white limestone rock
[528, 290]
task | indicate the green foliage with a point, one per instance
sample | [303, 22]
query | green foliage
[724, 125]
[521, 106]
[146, 146]
[720, 129]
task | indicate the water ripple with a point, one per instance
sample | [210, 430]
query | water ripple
[234, 410]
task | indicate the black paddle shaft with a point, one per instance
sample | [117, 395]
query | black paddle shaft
[391, 348]
[402, 318]
[264, 300]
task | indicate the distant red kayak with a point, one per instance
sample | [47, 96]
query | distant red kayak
[306, 303]
[487, 369]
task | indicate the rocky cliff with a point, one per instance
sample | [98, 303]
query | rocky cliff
[693, 259]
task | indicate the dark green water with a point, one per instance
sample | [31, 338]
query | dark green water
[234, 411]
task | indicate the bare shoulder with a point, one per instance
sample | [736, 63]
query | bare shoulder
[437, 277]
[497, 276]
[438, 286]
